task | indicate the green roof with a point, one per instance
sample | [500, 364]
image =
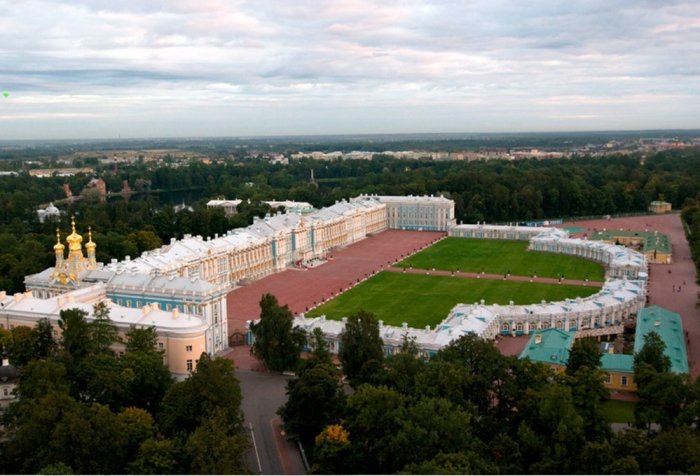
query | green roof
[617, 363]
[669, 326]
[551, 347]
[652, 241]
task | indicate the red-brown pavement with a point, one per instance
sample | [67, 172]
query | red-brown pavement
[305, 289]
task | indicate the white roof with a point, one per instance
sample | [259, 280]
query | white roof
[25, 305]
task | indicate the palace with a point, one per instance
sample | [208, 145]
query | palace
[181, 288]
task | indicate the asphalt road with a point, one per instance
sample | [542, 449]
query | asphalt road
[263, 394]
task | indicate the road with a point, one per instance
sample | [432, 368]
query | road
[263, 394]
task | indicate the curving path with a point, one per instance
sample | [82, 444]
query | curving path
[497, 277]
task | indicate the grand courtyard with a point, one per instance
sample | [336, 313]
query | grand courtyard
[363, 276]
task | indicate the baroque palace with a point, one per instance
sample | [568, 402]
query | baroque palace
[181, 288]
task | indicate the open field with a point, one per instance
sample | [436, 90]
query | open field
[618, 411]
[501, 257]
[423, 300]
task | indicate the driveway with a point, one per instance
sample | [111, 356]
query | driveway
[263, 394]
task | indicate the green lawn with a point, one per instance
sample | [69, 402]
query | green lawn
[500, 257]
[617, 411]
[422, 300]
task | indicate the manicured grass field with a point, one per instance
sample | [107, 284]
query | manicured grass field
[501, 257]
[617, 411]
[422, 300]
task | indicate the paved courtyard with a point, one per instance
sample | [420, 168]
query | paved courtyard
[304, 289]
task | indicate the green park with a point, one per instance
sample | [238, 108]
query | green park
[501, 257]
[421, 300]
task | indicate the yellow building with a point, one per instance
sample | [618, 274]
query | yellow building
[658, 206]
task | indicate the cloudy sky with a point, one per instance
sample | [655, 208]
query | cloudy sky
[162, 68]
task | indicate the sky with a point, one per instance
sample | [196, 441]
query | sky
[204, 68]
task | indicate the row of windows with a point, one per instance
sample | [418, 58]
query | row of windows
[190, 308]
[624, 380]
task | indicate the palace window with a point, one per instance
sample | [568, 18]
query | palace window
[188, 348]
[608, 379]
[189, 365]
[623, 380]
[160, 346]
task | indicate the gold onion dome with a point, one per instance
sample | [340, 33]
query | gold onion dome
[58, 247]
[90, 245]
[74, 240]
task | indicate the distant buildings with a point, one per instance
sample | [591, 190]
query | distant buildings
[659, 206]
[655, 246]
[64, 172]
[230, 206]
[47, 213]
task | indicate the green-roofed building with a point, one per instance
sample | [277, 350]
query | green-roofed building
[669, 326]
[549, 346]
[552, 346]
[619, 369]
[655, 246]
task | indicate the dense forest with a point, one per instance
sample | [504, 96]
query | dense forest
[492, 191]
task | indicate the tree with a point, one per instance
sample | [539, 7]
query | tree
[374, 415]
[21, 347]
[551, 432]
[332, 451]
[43, 340]
[40, 378]
[314, 400]
[588, 393]
[141, 339]
[102, 330]
[150, 377]
[156, 457]
[662, 399]
[451, 463]
[584, 352]
[138, 427]
[360, 345]
[39, 434]
[277, 342]
[319, 348]
[431, 426]
[216, 447]
[403, 368]
[652, 355]
[212, 386]
[676, 451]
[75, 335]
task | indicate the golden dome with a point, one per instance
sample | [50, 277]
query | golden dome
[58, 247]
[74, 240]
[90, 245]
